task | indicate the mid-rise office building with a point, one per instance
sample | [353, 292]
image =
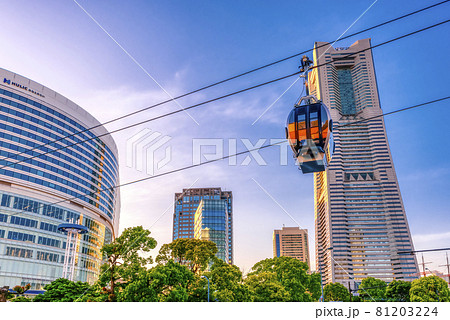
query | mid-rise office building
[186, 204]
[211, 223]
[291, 242]
[360, 219]
[42, 187]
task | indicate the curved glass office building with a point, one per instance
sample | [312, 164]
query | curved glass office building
[47, 179]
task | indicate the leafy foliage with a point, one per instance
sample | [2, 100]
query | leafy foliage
[372, 289]
[181, 264]
[283, 279]
[198, 290]
[429, 289]
[63, 290]
[227, 283]
[398, 290]
[22, 289]
[169, 282]
[265, 287]
[123, 259]
[20, 299]
[193, 253]
[336, 292]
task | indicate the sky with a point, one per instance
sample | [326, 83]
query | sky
[115, 57]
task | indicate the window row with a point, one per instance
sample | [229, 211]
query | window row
[29, 205]
[70, 148]
[62, 189]
[100, 144]
[32, 158]
[76, 182]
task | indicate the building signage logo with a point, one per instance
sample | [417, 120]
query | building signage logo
[18, 85]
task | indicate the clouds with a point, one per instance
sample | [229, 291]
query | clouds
[429, 241]
[58, 45]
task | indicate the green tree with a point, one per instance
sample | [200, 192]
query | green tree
[336, 292]
[20, 299]
[198, 290]
[140, 289]
[193, 253]
[265, 287]
[227, 283]
[372, 289]
[355, 298]
[398, 290]
[124, 261]
[284, 274]
[169, 282]
[63, 290]
[19, 293]
[429, 289]
[22, 289]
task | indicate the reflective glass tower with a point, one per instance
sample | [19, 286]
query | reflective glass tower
[186, 204]
[46, 189]
[211, 223]
[360, 219]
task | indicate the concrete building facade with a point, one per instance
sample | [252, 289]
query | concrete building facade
[291, 242]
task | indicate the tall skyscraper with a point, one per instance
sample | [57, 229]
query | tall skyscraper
[38, 194]
[211, 223]
[186, 204]
[360, 220]
[291, 242]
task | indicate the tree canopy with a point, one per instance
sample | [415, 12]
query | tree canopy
[336, 292]
[63, 290]
[429, 289]
[124, 260]
[183, 267]
[169, 282]
[398, 290]
[283, 279]
[372, 289]
[193, 253]
[227, 283]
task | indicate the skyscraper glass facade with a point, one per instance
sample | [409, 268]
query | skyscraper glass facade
[211, 223]
[186, 204]
[41, 187]
[346, 91]
[360, 220]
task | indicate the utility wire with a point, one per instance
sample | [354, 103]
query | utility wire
[231, 156]
[428, 250]
[391, 112]
[231, 78]
[225, 96]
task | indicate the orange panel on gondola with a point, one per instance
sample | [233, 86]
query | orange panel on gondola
[309, 133]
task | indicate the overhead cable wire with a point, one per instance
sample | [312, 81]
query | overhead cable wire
[222, 97]
[231, 156]
[231, 78]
